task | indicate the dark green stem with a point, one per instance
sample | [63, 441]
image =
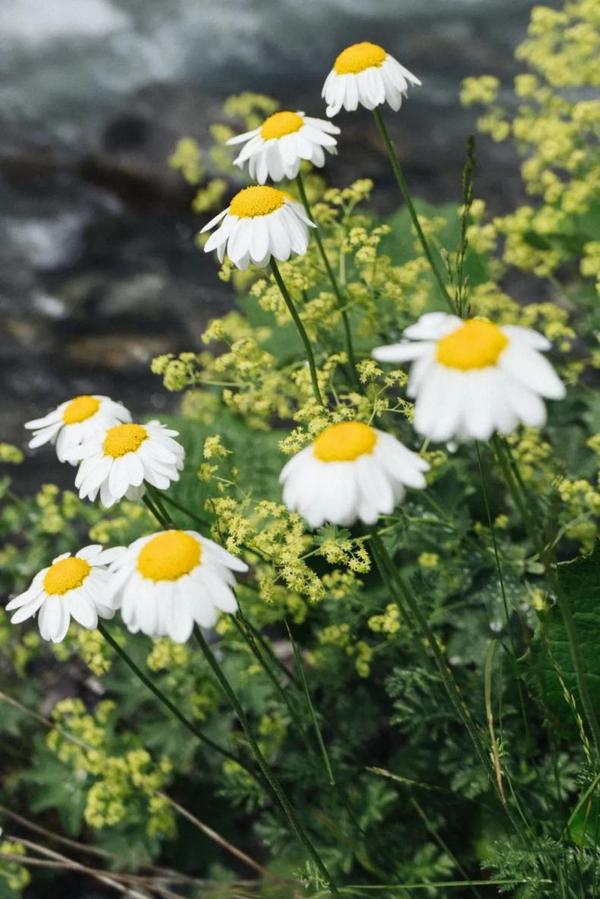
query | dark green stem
[149, 683]
[248, 637]
[402, 184]
[271, 779]
[311, 708]
[334, 283]
[156, 513]
[301, 331]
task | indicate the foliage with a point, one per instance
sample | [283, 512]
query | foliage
[89, 752]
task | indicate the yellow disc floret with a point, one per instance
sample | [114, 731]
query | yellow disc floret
[256, 200]
[66, 575]
[359, 57]
[476, 344]
[344, 442]
[123, 439]
[169, 556]
[280, 124]
[80, 408]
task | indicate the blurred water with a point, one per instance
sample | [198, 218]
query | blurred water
[68, 61]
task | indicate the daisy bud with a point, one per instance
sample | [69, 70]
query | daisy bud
[260, 223]
[351, 472]
[276, 149]
[166, 583]
[124, 459]
[366, 74]
[73, 586]
[75, 422]
[470, 378]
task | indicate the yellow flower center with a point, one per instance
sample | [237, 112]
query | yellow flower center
[123, 439]
[281, 123]
[256, 200]
[169, 556]
[66, 575]
[476, 344]
[359, 57]
[344, 442]
[80, 408]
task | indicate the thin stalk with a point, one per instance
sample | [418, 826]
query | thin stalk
[311, 708]
[402, 184]
[199, 521]
[268, 649]
[248, 637]
[149, 683]
[155, 512]
[272, 780]
[301, 331]
[333, 279]
[158, 502]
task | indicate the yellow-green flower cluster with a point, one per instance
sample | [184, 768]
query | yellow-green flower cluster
[556, 130]
[13, 875]
[119, 783]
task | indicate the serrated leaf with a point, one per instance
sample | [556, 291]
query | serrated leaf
[580, 581]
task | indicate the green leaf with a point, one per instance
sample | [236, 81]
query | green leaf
[580, 581]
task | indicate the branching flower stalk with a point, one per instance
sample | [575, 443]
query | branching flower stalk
[273, 782]
[402, 184]
[158, 693]
[331, 275]
[301, 331]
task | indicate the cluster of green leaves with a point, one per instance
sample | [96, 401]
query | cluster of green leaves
[346, 704]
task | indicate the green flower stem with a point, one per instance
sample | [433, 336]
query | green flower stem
[311, 708]
[274, 784]
[149, 683]
[402, 184]
[153, 509]
[301, 331]
[201, 522]
[517, 490]
[333, 279]
[158, 502]
[264, 644]
[248, 637]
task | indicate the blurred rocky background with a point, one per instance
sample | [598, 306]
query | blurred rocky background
[98, 268]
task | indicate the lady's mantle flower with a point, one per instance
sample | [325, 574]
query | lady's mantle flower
[125, 457]
[364, 73]
[471, 378]
[276, 149]
[75, 422]
[73, 586]
[352, 471]
[260, 222]
[165, 583]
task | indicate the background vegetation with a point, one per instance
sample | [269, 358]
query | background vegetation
[402, 801]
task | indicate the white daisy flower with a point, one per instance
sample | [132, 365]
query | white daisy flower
[366, 74]
[75, 422]
[351, 471]
[260, 222]
[73, 586]
[276, 149]
[124, 458]
[165, 583]
[471, 378]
